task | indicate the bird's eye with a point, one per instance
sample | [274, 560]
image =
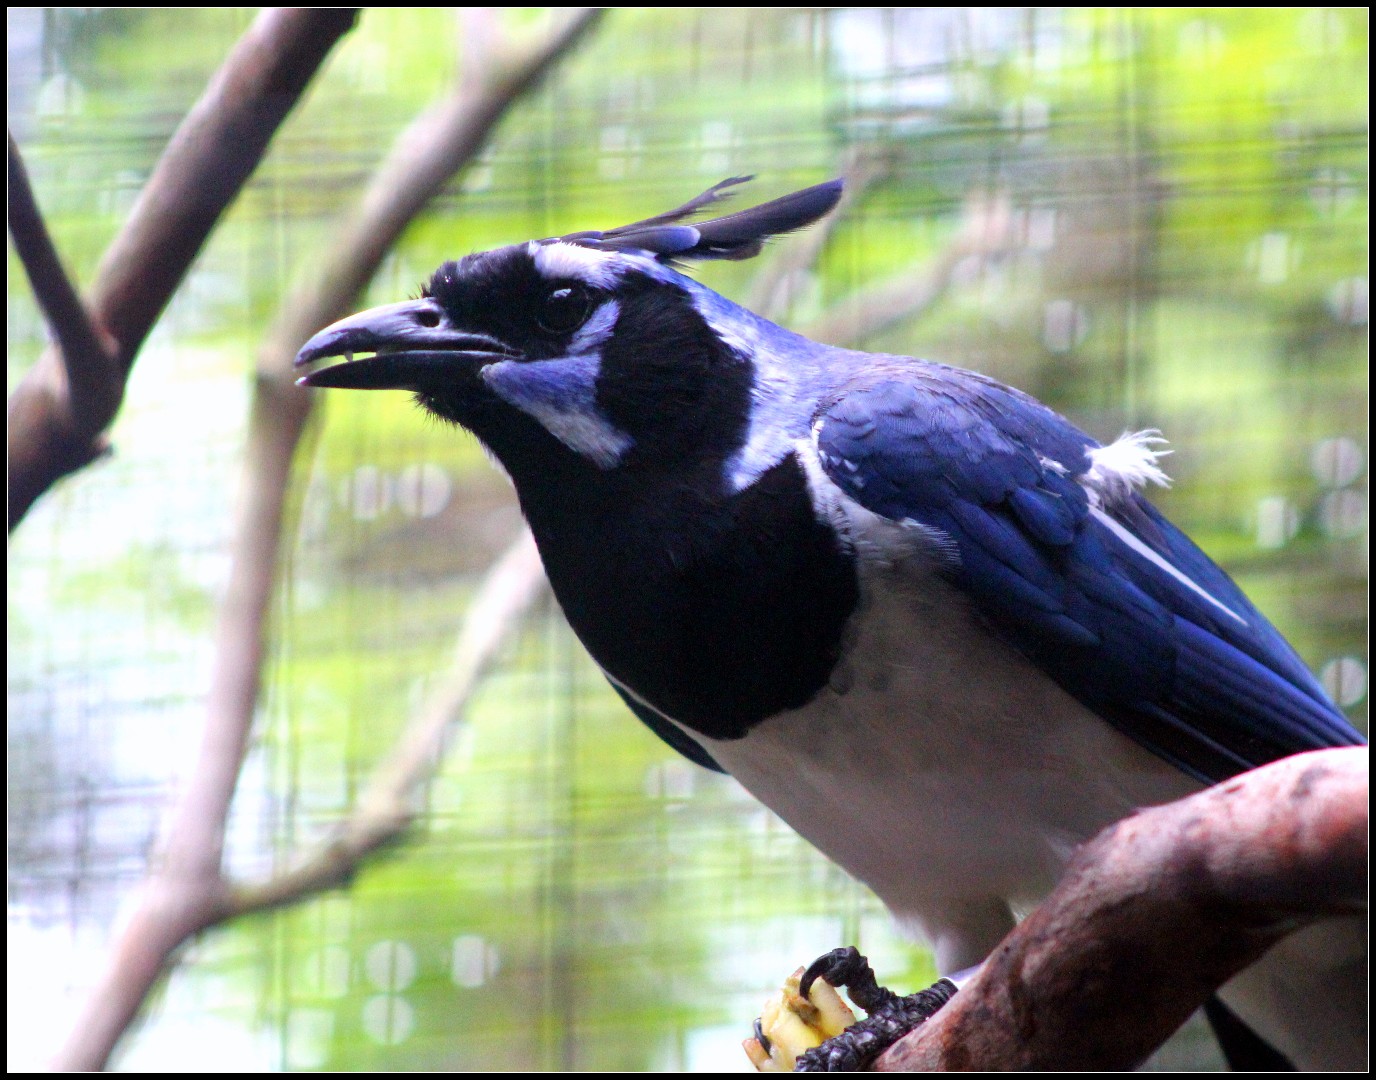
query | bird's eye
[564, 310]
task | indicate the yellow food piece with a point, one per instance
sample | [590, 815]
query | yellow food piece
[793, 1025]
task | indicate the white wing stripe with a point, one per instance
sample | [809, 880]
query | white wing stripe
[1156, 560]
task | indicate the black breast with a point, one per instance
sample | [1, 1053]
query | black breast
[719, 610]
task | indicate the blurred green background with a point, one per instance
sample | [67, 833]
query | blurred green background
[1175, 218]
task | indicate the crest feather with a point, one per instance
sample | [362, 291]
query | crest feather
[736, 236]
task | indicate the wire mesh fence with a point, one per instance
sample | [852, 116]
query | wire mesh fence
[1145, 218]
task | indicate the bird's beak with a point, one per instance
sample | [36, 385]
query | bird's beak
[414, 347]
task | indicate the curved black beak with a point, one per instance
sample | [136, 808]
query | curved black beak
[414, 346]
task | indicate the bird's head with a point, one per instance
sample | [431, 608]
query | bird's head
[591, 344]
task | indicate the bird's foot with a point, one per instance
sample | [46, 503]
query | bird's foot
[806, 1027]
[792, 1023]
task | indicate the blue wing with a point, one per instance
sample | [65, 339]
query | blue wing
[1103, 594]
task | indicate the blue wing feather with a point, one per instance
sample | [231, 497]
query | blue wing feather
[1088, 595]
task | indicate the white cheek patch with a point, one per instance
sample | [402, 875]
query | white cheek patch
[560, 261]
[561, 394]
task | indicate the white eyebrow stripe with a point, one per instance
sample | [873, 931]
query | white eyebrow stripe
[1156, 560]
[559, 261]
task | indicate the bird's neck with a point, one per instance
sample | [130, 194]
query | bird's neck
[718, 608]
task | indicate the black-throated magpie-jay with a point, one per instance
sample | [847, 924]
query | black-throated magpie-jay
[921, 616]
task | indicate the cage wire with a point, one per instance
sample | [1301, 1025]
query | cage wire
[1145, 218]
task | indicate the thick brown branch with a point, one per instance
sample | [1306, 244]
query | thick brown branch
[55, 428]
[424, 158]
[1096, 978]
[212, 154]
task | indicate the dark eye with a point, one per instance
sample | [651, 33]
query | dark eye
[564, 310]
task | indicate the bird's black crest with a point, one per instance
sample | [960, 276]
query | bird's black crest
[735, 236]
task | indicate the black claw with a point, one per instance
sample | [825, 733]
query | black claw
[847, 967]
[890, 1016]
[762, 1038]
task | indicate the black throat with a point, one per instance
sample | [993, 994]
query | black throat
[718, 611]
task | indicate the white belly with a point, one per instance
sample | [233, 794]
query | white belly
[955, 780]
[942, 769]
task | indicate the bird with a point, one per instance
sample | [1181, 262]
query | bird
[921, 616]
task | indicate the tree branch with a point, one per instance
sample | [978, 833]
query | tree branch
[423, 159]
[436, 145]
[87, 354]
[1096, 978]
[385, 809]
[186, 891]
[987, 230]
[415, 170]
[56, 422]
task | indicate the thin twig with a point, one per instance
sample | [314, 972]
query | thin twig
[986, 231]
[415, 170]
[87, 354]
[386, 807]
[421, 162]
